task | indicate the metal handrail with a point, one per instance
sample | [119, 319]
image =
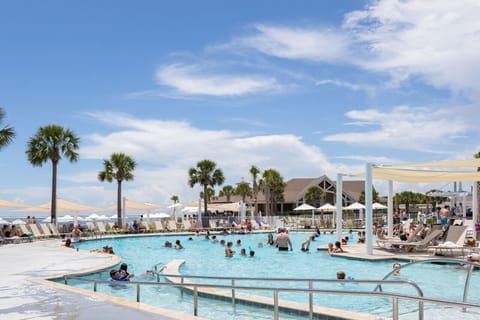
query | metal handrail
[395, 297]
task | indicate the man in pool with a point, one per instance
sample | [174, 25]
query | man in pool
[283, 241]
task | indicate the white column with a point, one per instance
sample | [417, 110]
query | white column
[475, 202]
[390, 208]
[368, 209]
[339, 205]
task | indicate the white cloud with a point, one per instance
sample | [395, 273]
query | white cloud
[438, 42]
[317, 44]
[198, 80]
[166, 150]
[345, 84]
[412, 128]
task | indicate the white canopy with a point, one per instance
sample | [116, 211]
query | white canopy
[355, 206]
[327, 207]
[377, 205]
[304, 207]
[3, 221]
[18, 221]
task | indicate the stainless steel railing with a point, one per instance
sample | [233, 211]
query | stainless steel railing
[194, 287]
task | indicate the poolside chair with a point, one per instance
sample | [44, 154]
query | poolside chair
[101, 227]
[54, 230]
[159, 226]
[36, 232]
[454, 243]
[187, 225]
[46, 231]
[172, 225]
[24, 229]
[417, 245]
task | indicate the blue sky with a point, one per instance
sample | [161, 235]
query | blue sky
[307, 89]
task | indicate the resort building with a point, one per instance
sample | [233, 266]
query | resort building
[296, 189]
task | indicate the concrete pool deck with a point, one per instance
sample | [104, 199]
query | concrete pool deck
[24, 295]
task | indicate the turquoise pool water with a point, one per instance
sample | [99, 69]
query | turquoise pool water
[206, 258]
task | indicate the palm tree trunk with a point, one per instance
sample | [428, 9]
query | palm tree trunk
[53, 202]
[119, 204]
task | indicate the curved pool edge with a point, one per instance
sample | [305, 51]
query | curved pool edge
[173, 268]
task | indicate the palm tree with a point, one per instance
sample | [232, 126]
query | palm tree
[119, 167]
[175, 199]
[243, 189]
[314, 196]
[6, 133]
[273, 187]
[53, 142]
[254, 171]
[210, 194]
[227, 192]
[206, 174]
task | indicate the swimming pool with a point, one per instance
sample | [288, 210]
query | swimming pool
[206, 258]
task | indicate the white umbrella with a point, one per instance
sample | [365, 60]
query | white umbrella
[327, 207]
[2, 221]
[305, 207]
[160, 215]
[66, 218]
[18, 221]
[93, 216]
[377, 205]
[113, 217]
[355, 206]
[47, 219]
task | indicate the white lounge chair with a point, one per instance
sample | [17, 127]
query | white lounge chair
[159, 226]
[454, 243]
[46, 231]
[172, 225]
[36, 232]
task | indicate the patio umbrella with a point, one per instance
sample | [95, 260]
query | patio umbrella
[3, 221]
[356, 206]
[377, 205]
[305, 207]
[18, 221]
[136, 206]
[327, 207]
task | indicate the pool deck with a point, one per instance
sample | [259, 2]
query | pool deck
[24, 294]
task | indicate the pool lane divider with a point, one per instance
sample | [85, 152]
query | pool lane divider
[173, 268]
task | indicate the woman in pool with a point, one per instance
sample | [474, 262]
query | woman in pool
[338, 247]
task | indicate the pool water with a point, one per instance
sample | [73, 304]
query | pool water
[208, 259]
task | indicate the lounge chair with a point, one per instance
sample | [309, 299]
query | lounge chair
[54, 230]
[159, 226]
[46, 231]
[418, 245]
[187, 225]
[454, 243]
[172, 225]
[24, 229]
[101, 227]
[36, 232]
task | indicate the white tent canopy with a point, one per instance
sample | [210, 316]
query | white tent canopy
[304, 207]
[355, 206]
[378, 206]
[327, 207]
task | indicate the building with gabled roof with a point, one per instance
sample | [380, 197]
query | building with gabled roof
[295, 190]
